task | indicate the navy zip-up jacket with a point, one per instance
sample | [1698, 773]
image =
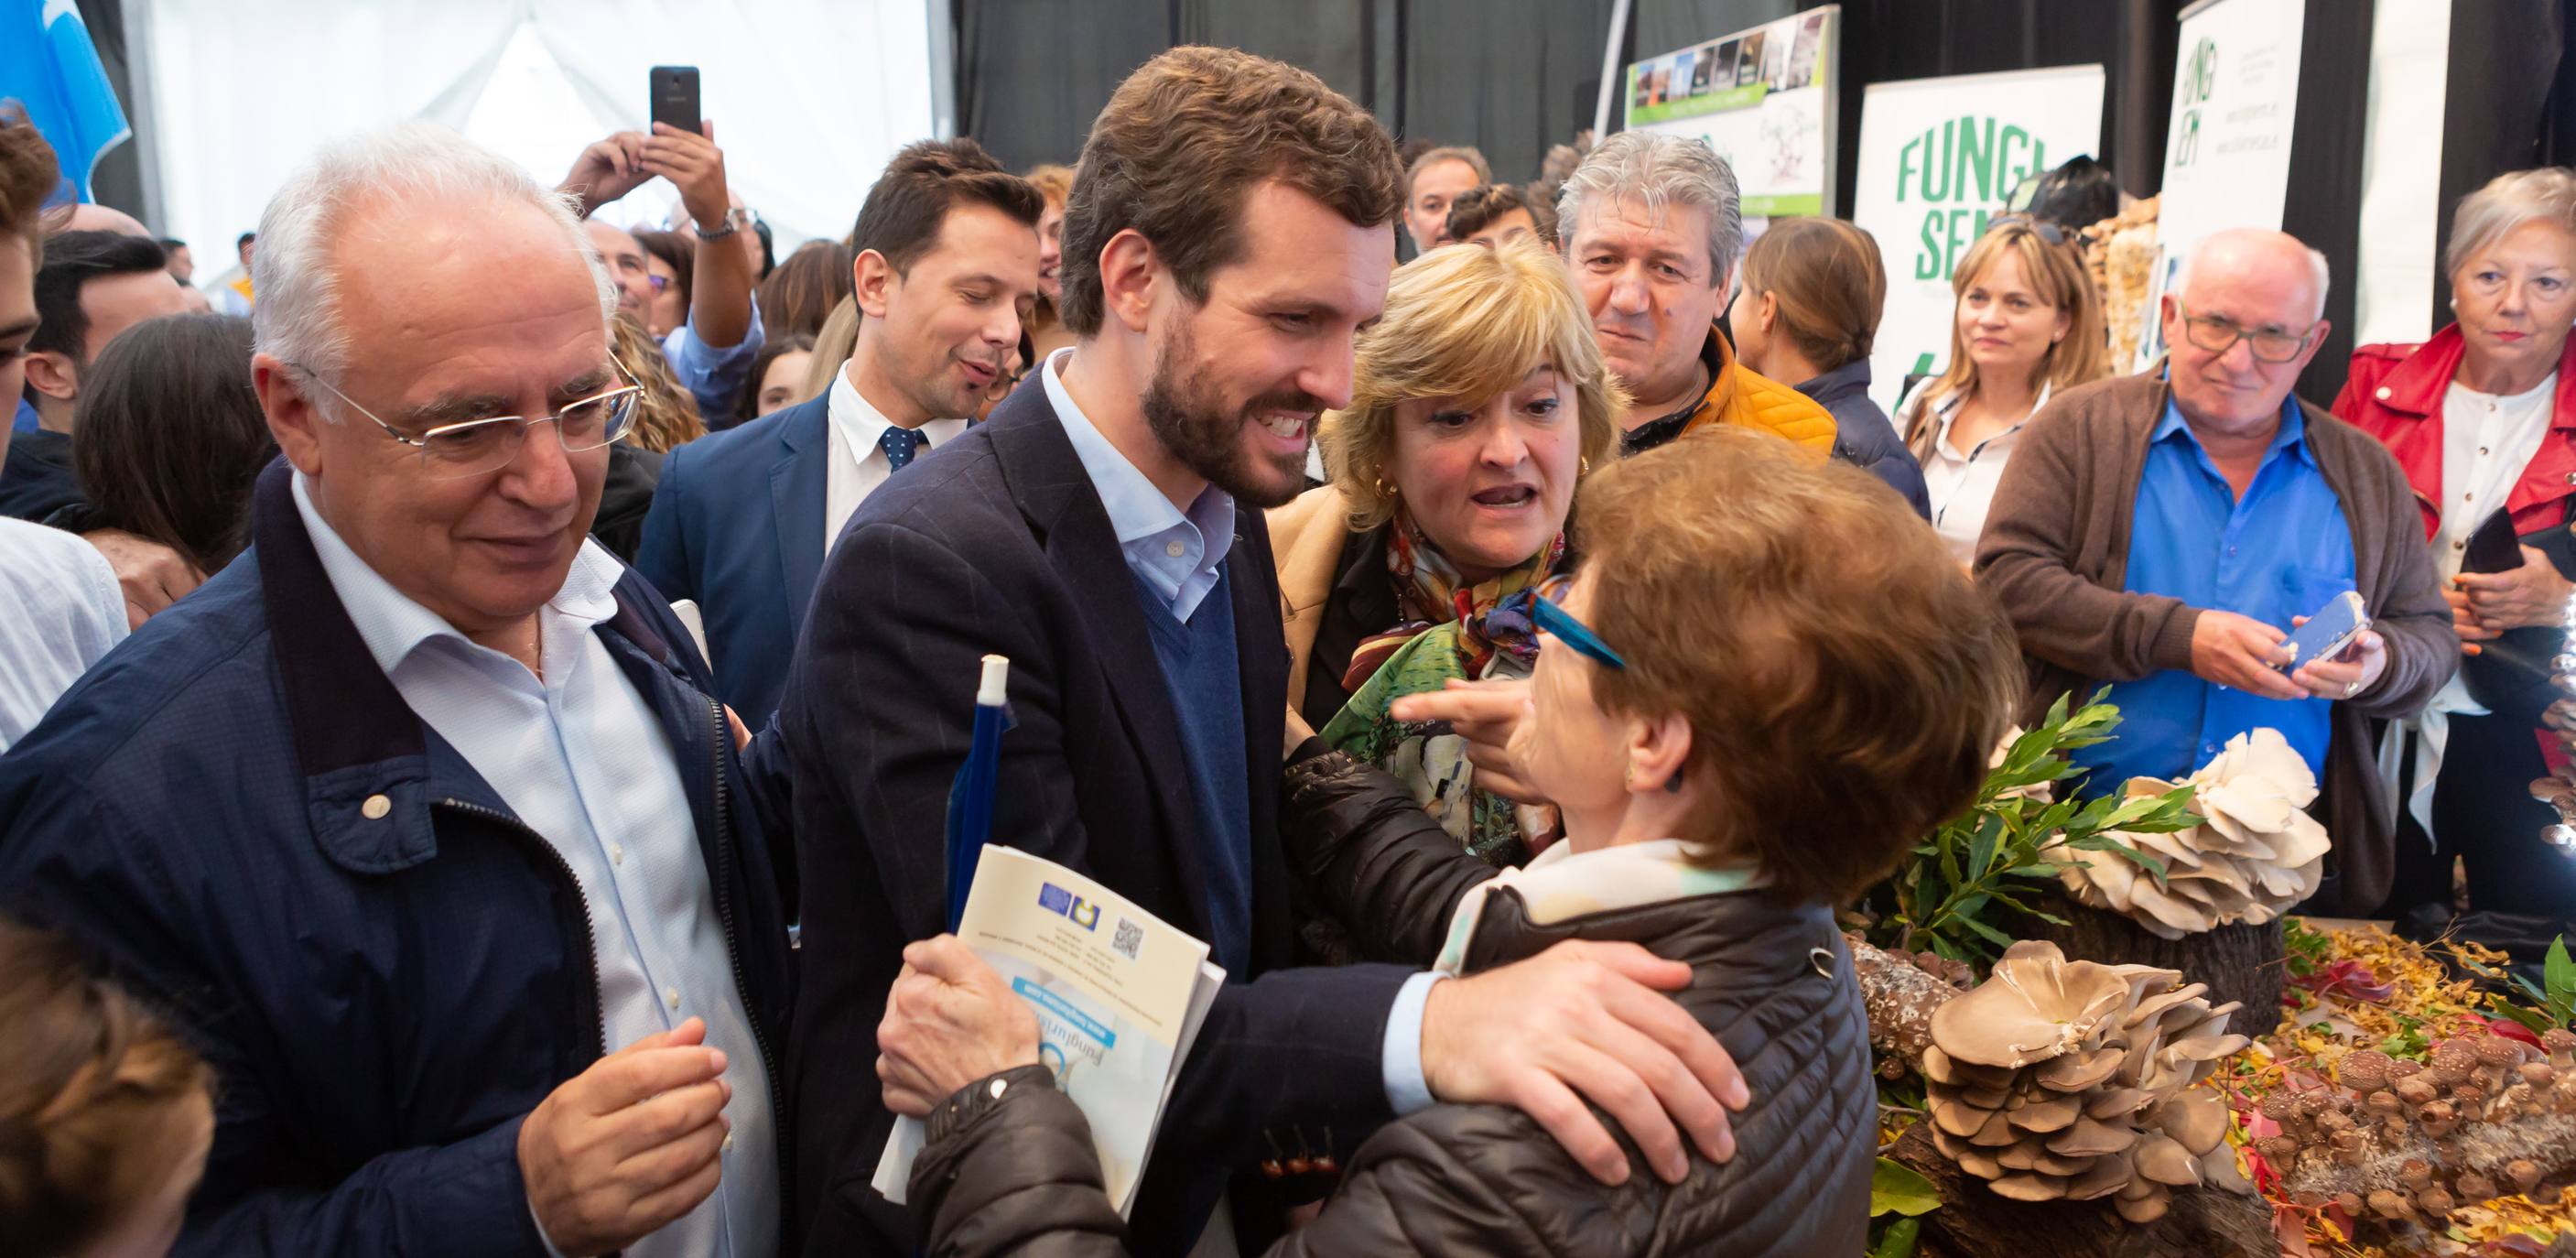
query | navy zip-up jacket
[237, 812]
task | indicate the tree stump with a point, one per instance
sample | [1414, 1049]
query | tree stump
[2240, 963]
[1975, 1223]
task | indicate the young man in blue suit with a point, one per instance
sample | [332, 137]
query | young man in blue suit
[948, 260]
[1229, 233]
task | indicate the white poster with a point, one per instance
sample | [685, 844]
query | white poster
[2227, 159]
[1763, 98]
[1937, 158]
[2401, 207]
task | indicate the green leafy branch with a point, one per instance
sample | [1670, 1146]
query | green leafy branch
[2003, 849]
[2553, 1002]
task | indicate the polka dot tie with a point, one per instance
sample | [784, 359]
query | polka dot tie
[900, 444]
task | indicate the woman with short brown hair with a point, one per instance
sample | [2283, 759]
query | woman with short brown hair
[105, 1116]
[1764, 687]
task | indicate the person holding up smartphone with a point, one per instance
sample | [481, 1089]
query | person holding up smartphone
[713, 350]
[2162, 533]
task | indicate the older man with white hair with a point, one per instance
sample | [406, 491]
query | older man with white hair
[2164, 532]
[418, 816]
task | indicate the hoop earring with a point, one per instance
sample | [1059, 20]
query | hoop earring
[1384, 490]
[1583, 468]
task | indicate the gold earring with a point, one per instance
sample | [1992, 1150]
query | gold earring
[1384, 490]
[1584, 469]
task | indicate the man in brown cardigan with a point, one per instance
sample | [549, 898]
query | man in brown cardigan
[2058, 554]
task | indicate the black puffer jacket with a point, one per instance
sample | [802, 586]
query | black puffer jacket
[1014, 1172]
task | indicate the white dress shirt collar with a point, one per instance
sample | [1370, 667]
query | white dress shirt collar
[858, 462]
[393, 625]
[1177, 553]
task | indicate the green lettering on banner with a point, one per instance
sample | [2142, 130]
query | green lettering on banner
[1972, 164]
[1941, 164]
[1976, 154]
[2008, 172]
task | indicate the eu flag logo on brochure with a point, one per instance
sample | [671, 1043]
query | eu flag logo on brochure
[1074, 908]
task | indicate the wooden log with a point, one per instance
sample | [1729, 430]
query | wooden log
[1975, 1223]
[2247, 964]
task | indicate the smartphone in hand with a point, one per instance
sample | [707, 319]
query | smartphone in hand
[2328, 632]
[675, 96]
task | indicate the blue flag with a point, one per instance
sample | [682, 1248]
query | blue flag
[50, 68]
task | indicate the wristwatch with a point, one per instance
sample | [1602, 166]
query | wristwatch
[733, 221]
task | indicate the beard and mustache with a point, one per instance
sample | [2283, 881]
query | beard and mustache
[1185, 410]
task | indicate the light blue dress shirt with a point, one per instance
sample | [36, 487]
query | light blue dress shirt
[715, 377]
[579, 757]
[2283, 550]
[1173, 554]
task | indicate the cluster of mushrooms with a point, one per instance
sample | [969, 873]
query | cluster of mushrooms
[2074, 1080]
[2255, 853]
[2403, 1141]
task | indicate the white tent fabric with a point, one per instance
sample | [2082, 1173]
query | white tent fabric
[808, 97]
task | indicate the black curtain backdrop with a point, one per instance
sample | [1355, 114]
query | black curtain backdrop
[2513, 108]
[2324, 203]
[1508, 76]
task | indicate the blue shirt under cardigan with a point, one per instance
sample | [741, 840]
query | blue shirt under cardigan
[2282, 550]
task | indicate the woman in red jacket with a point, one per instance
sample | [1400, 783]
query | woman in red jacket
[2483, 419]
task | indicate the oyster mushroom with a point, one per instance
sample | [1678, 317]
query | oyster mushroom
[2057, 1079]
[2255, 853]
[2036, 1006]
[2196, 1119]
[2163, 1159]
[2089, 1137]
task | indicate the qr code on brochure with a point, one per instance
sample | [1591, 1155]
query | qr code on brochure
[1128, 939]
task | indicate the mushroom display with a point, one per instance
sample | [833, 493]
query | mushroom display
[2401, 1142]
[2254, 854]
[2074, 1080]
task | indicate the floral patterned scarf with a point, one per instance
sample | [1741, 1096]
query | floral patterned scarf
[1450, 630]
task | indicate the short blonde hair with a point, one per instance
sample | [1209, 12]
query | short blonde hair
[1465, 321]
[2508, 201]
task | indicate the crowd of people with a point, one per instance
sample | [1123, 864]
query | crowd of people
[480, 697]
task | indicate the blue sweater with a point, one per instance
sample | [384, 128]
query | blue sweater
[1200, 667]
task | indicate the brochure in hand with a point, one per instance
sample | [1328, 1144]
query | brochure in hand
[1119, 997]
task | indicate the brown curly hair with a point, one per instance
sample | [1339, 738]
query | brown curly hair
[27, 177]
[1186, 138]
[101, 1103]
[1844, 681]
